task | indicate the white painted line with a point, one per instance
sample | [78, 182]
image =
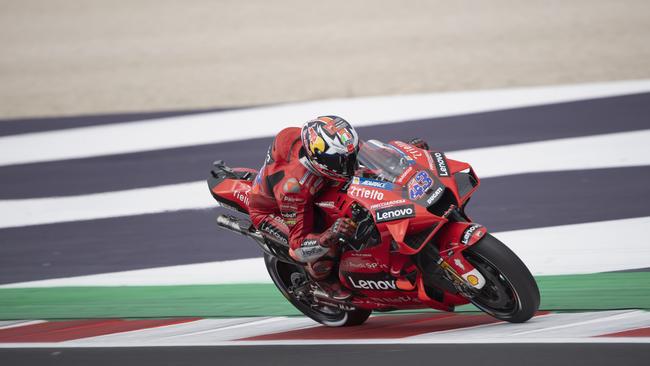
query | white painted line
[267, 121]
[19, 323]
[38, 211]
[250, 270]
[567, 249]
[622, 149]
[582, 248]
[167, 331]
[600, 151]
[251, 323]
[490, 330]
[267, 326]
[602, 319]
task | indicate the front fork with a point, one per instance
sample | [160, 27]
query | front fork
[453, 240]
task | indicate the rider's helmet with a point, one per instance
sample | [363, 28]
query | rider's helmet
[331, 145]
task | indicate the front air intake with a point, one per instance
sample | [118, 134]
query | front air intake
[441, 206]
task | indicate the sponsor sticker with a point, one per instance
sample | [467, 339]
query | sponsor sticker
[412, 150]
[372, 183]
[289, 214]
[304, 178]
[242, 197]
[372, 284]
[395, 300]
[387, 204]
[441, 164]
[473, 280]
[291, 186]
[395, 213]
[288, 198]
[361, 192]
[435, 195]
[325, 204]
[467, 234]
[273, 231]
[459, 264]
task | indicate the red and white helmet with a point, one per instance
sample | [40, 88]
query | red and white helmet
[331, 145]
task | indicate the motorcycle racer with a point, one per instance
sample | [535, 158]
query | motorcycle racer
[298, 165]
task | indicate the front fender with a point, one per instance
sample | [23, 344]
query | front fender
[459, 233]
[452, 240]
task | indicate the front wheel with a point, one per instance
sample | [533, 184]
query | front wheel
[510, 292]
[281, 273]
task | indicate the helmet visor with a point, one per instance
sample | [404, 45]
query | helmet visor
[343, 165]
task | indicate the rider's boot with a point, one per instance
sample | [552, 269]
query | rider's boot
[333, 289]
[327, 284]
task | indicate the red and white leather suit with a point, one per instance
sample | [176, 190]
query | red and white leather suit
[282, 203]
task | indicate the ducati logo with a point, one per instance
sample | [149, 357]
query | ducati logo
[435, 195]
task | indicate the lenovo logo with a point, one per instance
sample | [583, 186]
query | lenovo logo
[441, 164]
[373, 284]
[468, 234]
[395, 213]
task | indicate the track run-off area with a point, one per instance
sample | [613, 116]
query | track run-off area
[108, 235]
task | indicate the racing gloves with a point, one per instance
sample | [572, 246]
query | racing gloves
[343, 227]
[419, 143]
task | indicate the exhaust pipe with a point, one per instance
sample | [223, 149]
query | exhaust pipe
[268, 245]
[242, 227]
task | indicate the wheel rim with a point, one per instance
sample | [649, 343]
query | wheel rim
[326, 314]
[498, 297]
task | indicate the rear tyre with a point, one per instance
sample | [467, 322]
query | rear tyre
[281, 272]
[510, 293]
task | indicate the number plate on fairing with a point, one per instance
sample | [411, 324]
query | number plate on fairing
[418, 185]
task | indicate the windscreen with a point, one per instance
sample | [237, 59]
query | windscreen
[382, 161]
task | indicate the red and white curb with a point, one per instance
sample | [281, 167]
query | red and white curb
[620, 326]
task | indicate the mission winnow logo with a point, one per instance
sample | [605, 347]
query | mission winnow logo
[395, 213]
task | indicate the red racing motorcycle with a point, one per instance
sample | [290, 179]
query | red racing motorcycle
[414, 246]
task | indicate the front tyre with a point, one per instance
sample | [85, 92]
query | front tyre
[281, 272]
[510, 292]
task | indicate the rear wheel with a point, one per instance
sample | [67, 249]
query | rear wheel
[281, 273]
[510, 292]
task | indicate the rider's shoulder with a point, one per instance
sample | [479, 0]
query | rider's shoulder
[301, 181]
[289, 133]
[284, 144]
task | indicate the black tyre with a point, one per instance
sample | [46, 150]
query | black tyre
[280, 273]
[510, 293]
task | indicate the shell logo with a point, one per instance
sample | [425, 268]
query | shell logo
[473, 280]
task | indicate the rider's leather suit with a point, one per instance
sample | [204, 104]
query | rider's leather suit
[282, 203]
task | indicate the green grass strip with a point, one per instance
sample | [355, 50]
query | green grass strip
[560, 293]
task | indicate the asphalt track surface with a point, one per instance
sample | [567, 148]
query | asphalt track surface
[503, 203]
[145, 241]
[187, 164]
[18, 126]
[314, 355]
